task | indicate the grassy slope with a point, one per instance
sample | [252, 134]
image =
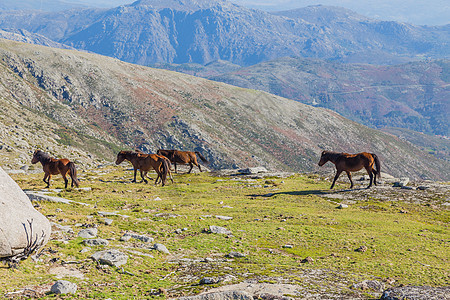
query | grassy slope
[411, 247]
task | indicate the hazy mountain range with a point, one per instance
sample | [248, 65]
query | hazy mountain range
[432, 12]
[84, 104]
[153, 31]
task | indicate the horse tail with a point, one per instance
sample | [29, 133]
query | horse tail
[201, 157]
[377, 164]
[73, 173]
[164, 171]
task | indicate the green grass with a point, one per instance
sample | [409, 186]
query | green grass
[412, 248]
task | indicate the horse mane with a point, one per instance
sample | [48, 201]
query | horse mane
[332, 155]
[43, 156]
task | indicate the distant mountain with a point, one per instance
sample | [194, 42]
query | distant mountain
[58, 5]
[188, 31]
[413, 95]
[21, 35]
[86, 106]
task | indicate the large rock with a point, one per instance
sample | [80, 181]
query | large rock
[228, 295]
[20, 223]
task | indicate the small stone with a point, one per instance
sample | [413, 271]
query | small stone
[226, 218]
[219, 230]
[423, 187]
[361, 249]
[108, 221]
[111, 257]
[342, 206]
[288, 246]
[88, 233]
[161, 248]
[208, 280]
[235, 255]
[307, 260]
[402, 182]
[96, 242]
[86, 249]
[64, 287]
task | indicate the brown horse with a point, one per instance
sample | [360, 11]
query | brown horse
[353, 162]
[183, 157]
[144, 163]
[54, 166]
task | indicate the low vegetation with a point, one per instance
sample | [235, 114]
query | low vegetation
[402, 235]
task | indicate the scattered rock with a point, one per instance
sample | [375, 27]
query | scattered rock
[224, 218]
[423, 187]
[219, 230]
[208, 280]
[250, 171]
[416, 293]
[62, 228]
[161, 248]
[96, 242]
[235, 255]
[373, 285]
[108, 221]
[86, 249]
[408, 188]
[361, 249]
[341, 206]
[127, 236]
[64, 287]
[88, 233]
[111, 257]
[402, 182]
[307, 260]
[288, 246]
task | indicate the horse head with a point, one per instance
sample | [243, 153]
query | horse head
[120, 157]
[36, 156]
[323, 158]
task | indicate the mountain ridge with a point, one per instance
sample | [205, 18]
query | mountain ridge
[140, 33]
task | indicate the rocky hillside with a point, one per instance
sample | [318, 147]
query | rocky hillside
[55, 98]
[413, 95]
[153, 31]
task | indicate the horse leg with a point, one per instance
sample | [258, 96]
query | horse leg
[47, 182]
[369, 171]
[198, 165]
[338, 172]
[191, 165]
[66, 181]
[143, 176]
[350, 178]
[175, 166]
[135, 171]
[374, 176]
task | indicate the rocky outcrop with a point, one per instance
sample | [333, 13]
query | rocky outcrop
[22, 228]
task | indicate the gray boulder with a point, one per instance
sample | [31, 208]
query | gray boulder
[20, 222]
[111, 257]
[64, 287]
[219, 230]
[88, 233]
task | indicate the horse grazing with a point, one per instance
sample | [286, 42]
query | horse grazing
[54, 166]
[352, 162]
[183, 157]
[144, 163]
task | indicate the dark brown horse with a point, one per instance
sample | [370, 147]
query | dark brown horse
[183, 157]
[352, 163]
[54, 166]
[144, 163]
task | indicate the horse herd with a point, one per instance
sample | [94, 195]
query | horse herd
[162, 162]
